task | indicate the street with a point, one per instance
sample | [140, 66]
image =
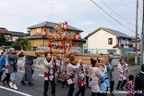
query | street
[37, 89]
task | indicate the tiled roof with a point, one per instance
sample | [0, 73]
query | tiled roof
[4, 31]
[52, 25]
[116, 32]
[17, 33]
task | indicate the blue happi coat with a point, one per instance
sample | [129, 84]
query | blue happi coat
[104, 80]
[2, 63]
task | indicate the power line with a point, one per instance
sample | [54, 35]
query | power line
[140, 4]
[117, 13]
[111, 16]
[129, 22]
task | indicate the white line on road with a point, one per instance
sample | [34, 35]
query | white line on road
[15, 91]
[41, 75]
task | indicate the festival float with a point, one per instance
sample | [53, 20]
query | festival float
[60, 44]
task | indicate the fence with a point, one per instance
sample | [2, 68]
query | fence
[116, 52]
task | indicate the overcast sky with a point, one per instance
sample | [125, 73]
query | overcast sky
[17, 15]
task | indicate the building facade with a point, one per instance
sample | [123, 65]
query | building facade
[36, 38]
[6, 33]
[105, 38]
[15, 35]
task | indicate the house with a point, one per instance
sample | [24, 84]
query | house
[5, 32]
[15, 35]
[36, 38]
[11, 35]
[108, 40]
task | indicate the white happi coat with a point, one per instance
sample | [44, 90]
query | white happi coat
[121, 71]
[71, 70]
[48, 68]
[97, 74]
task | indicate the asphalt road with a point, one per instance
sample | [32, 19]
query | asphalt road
[37, 89]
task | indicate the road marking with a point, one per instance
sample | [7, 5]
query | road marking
[41, 75]
[15, 91]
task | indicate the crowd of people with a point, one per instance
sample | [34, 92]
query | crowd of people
[97, 76]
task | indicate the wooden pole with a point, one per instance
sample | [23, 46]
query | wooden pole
[85, 58]
[136, 36]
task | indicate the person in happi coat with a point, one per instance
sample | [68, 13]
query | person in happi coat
[95, 74]
[111, 78]
[49, 74]
[81, 80]
[87, 68]
[105, 79]
[6, 80]
[28, 72]
[12, 62]
[2, 64]
[72, 69]
[121, 74]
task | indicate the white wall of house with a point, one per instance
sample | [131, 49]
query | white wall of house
[14, 38]
[99, 40]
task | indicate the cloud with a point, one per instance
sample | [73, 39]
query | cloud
[17, 15]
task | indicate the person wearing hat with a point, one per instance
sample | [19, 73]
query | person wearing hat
[72, 69]
[111, 79]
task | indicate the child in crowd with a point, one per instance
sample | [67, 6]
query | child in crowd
[130, 86]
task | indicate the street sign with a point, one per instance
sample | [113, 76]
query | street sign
[134, 48]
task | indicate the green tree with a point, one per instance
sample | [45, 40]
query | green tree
[2, 40]
[22, 43]
[28, 33]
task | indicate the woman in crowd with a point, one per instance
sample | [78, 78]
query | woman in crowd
[95, 74]
[105, 80]
[72, 68]
[121, 74]
[81, 81]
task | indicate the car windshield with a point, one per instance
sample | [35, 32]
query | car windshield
[42, 48]
[46, 48]
[38, 48]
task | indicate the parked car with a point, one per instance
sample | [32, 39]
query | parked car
[42, 48]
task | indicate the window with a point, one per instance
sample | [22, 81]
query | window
[110, 41]
[125, 42]
[51, 31]
[119, 40]
[70, 32]
[10, 38]
[38, 31]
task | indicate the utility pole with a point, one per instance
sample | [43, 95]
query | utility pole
[136, 36]
[141, 59]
